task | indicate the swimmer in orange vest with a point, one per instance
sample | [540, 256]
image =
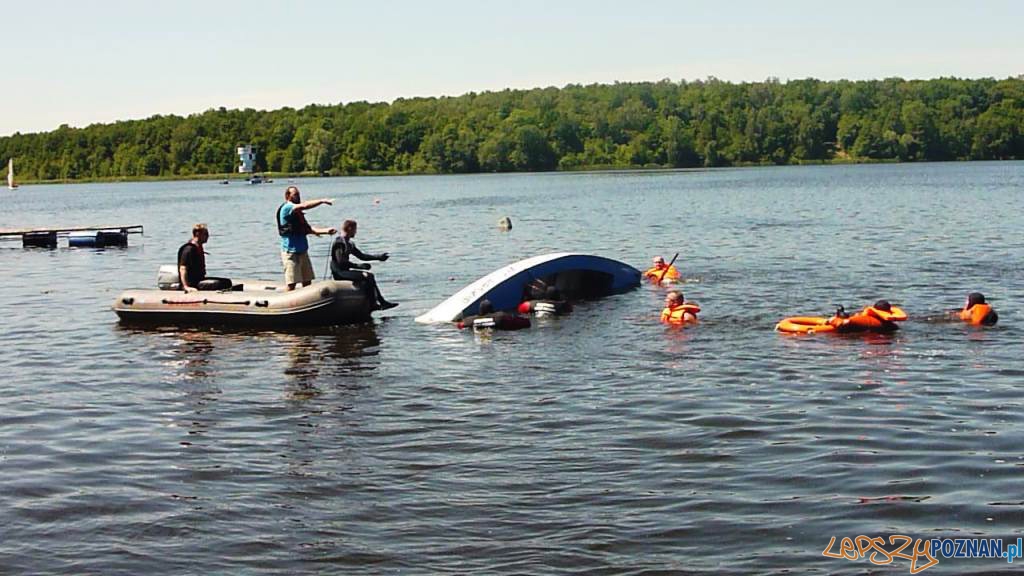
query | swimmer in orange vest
[654, 273]
[677, 311]
[977, 312]
[879, 317]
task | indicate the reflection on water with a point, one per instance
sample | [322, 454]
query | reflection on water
[318, 354]
[677, 339]
[302, 364]
[332, 356]
[190, 356]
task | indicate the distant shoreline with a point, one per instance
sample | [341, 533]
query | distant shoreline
[594, 127]
[236, 179]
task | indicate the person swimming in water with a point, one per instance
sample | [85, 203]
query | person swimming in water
[662, 272]
[677, 310]
[487, 319]
[879, 317]
[976, 311]
[552, 304]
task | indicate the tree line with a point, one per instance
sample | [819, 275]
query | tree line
[646, 124]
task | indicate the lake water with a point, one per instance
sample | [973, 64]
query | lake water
[600, 443]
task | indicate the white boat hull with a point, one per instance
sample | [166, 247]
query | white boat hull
[575, 275]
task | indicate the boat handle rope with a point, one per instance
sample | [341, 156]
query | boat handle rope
[205, 301]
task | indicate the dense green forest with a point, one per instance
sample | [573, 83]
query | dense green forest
[663, 124]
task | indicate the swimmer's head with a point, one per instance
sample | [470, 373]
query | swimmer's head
[975, 298]
[673, 298]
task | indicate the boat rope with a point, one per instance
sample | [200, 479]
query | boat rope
[205, 301]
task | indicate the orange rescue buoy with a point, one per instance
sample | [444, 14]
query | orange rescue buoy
[805, 325]
[882, 317]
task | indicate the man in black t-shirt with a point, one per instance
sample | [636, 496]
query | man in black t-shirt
[192, 264]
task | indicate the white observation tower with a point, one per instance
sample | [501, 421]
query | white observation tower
[246, 156]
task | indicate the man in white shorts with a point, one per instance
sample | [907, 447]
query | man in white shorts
[293, 229]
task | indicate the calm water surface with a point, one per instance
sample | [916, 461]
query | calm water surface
[599, 443]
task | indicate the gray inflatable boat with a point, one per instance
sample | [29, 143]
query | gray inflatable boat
[248, 303]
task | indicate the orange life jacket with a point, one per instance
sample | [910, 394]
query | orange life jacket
[870, 319]
[654, 273]
[979, 314]
[680, 314]
[894, 314]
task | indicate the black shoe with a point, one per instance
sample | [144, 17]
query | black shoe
[385, 305]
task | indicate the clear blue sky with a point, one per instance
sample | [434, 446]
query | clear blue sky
[79, 62]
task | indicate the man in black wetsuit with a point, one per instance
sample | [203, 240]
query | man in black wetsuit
[487, 318]
[192, 264]
[344, 269]
[551, 304]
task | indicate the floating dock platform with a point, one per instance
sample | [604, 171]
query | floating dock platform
[78, 236]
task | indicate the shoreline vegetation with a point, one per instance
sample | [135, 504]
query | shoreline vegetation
[237, 178]
[622, 126]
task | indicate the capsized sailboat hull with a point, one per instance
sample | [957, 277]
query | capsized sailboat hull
[577, 276]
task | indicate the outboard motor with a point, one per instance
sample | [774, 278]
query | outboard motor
[167, 278]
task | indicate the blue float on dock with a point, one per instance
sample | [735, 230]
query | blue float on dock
[78, 236]
[98, 239]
